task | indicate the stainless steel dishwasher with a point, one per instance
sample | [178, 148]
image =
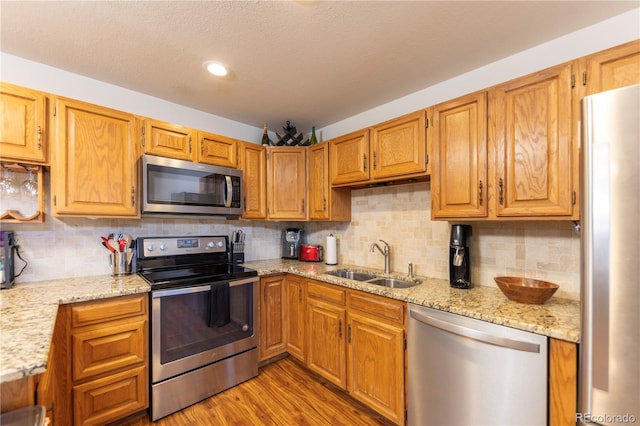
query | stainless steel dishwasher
[464, 371]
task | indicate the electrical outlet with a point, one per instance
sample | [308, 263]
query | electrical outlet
[338, 237]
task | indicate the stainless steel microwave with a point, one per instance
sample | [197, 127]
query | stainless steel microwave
[179, 187]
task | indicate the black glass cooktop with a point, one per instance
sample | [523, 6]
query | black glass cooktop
[195, 275]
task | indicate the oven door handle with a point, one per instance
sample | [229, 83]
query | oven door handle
[198, 289]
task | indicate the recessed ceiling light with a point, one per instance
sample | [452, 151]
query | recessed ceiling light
[216, 68]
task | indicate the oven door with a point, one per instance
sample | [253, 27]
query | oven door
[181, 338]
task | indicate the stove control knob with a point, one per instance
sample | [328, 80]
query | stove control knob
[163, 247]
[150, 247]
[210, 244]
[220, 244]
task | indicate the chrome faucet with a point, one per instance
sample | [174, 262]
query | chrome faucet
[386, 252]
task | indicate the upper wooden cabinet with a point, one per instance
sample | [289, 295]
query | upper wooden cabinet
[94, 170]
[217, 150]
[613, 68]
[399, 147]
[286, 183]
[533, 154]
[325, 202]
[23, 133]
[253, 163]
[168, 140]
[396, 149]
[349, 156]
[459, 150]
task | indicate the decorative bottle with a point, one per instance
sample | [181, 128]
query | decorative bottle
[313, 140]
[265, 136]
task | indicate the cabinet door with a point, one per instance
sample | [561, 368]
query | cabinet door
[95, 171]
[273, 339]
[253, 162]
[217, 150]
[399, 147]
[326, 341]
[459, 171]
[534, 151]
[296, 309]
[318, 181]
[168, 140]
[286, 183]
[23, 129]
[349, 156]
[110, 398]
[614, 68]
[376, 365]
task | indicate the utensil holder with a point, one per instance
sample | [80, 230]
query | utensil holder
[120, 263]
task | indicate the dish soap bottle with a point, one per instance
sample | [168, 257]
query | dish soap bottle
[313, 140]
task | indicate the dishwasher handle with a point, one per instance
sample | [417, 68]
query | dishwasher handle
[480, 336]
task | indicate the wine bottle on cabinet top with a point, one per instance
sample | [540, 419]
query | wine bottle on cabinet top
[265, 136]
[313, 140]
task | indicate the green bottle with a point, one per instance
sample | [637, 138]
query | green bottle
[313, 140]
[265, 136]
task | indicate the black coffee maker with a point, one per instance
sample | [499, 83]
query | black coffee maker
[460, 257]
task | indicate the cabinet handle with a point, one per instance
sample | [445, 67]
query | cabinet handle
[364, 162]
[500, 191]
[39, 139]
[189, 144]
[133, 196]
[349, 333]
[324, 204]
[300, 294]
[202, 147]
[480, 193]
[375, 161]
[303, 205]
[340, 329]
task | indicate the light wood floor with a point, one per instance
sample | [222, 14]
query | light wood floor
[283, 394]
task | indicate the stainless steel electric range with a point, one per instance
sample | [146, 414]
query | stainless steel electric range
[203, 322]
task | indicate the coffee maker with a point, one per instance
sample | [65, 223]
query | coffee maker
[460, 257]
[291, 240]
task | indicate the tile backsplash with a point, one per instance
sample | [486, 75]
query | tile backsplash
[400, 215]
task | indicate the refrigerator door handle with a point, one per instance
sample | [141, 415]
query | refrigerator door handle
[480, 336]
[600, 265]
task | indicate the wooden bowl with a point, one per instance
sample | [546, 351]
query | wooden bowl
[526, 290]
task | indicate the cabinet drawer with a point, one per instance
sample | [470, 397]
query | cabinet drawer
[377, 306]
[326, 292]
[110, 309]
[102, 401]
[111, 347]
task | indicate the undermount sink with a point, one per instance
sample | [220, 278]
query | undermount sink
[352, 275]
[372, 278]
[393, 282]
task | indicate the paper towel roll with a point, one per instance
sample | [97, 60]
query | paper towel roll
[331, 256]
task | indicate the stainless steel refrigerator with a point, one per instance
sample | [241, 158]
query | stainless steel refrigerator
[609, 381]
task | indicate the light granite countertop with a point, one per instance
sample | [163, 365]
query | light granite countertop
[28, 311]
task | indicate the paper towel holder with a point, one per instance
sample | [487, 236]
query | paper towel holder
[331, 253]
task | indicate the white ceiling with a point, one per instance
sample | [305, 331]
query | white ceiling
[311, 62]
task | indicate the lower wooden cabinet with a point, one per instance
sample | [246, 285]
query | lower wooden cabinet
[98, 368]
[296, 304]
[326, 335]
[563, 382]
[273, 338]
[376, 353]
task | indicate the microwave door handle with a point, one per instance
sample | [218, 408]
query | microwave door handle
[229, 197]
